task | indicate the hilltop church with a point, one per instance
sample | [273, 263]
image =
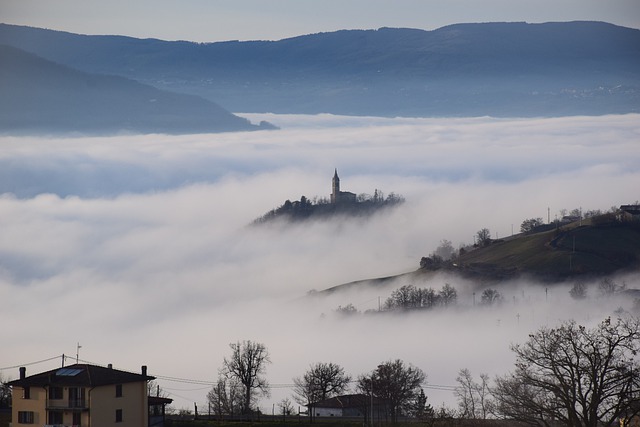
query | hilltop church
[338, 196]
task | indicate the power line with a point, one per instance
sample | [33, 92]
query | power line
[30, 363]
[185, 380]
[207, 383]
[441, 387]
[186, 389]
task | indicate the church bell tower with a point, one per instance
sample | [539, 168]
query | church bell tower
[335, 187]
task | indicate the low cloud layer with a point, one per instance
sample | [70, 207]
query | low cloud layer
[138, 247]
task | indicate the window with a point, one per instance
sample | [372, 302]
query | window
[26, 393]
[76, 397]
[118, 390]
[25, 417]
[55, 417]
[118, 415]
[77, 418]
[55, 393]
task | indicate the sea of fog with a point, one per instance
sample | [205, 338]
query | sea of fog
[138, 248]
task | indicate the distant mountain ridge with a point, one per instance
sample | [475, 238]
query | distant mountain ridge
[499, 69]
[40, 96]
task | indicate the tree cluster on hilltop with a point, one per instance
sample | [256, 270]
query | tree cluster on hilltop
[365, 204]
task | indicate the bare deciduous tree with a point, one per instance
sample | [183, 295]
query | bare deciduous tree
[578, 291]
[154, 389]
[247, 365]
[445, 250]
[608, 287]
[286, 407]
[397, 384]
[473, 397]
[226, 397]
[483, 237]
[490, 297]
[448, 295]
[410, 297]
[347, 310]
[320, 382]
[578, 376]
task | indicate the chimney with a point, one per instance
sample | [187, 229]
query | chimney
[144, 370]
[110, 366]
[23, 373]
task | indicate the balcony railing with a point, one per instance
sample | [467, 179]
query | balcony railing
[67, 404]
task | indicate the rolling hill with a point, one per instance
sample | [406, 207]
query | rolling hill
[590, 249]
[498, 69]
[596, 248]
[40, 96]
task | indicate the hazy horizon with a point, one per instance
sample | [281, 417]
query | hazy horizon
[137, 246]
[224, 20]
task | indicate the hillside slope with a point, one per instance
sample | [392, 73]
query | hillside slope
[40, 96]
[572, 252]
[499, 69]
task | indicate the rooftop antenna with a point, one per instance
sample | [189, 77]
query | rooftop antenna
[78, 347]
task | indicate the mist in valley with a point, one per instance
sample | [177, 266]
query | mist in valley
[140, 248]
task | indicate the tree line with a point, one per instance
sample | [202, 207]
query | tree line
[410, 297]
[242, 382]
[570, 374]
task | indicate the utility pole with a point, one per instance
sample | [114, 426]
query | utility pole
[78, 347]
[372, 400]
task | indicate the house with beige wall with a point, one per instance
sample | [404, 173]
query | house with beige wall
[81, 395]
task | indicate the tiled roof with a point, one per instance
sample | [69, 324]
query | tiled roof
[80, 375]
[155, 400]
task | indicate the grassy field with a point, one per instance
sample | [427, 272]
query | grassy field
[587, 249]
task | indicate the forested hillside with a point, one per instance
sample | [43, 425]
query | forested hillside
[497, 69]
[40, 96]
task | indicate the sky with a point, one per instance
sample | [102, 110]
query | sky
[220, 20]
[138, 247]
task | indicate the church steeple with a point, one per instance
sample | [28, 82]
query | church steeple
[335, 187]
